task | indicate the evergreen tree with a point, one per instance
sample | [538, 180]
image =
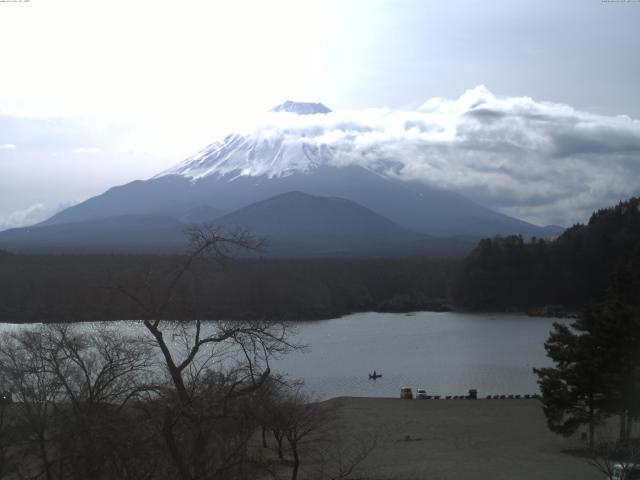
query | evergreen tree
[597, 359]
[573, 393]
[615, 327]
[570, 271]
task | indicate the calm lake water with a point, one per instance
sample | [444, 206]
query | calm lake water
[444, 353]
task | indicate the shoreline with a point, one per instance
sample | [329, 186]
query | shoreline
[535, 313]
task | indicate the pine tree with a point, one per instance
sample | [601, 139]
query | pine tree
[615, 330]
[573, 393]
[597, 359]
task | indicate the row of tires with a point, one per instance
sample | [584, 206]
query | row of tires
[467, 397]
[511, 397]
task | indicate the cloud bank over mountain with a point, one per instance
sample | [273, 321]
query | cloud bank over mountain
[547, 163]
[540, 161]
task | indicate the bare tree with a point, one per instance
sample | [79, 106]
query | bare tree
[303, 419]
[176, 403]
[609, 452]
[34, 390]
[70, 391]
[99, 374]
[272, 412]
[267, 413]
[258, 341]
[313, 430]
[8, 465]
[213, 367]
[340, 455]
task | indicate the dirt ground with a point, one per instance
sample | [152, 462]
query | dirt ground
[460, 439]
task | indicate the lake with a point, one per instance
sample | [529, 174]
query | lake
[445, 353]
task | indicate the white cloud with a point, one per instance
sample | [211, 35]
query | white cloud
[85, 150]
[44, 169]
[540, 161]
[28, 216]
[7, 146]
[544, 162]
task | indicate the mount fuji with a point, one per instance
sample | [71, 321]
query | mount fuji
[244, 169]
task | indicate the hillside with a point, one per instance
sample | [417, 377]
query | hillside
[574, 269]
[294, 225]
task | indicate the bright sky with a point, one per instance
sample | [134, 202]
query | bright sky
[189, 63]
[96, 93]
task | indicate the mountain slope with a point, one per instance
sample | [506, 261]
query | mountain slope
[244, 169]
[126, 233]
[411, 205]
[297, 215]
[295, 224]
[302, 225]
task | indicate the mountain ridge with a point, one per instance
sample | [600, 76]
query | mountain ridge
[244, 169]
[410, 204]
[295, 224]
[301, 108]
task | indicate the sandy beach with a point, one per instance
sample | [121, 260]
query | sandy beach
[460, 439]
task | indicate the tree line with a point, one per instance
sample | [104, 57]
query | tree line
[510, 273]
[70, 288]
[502, 273]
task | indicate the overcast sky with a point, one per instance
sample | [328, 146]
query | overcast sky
[94, 93]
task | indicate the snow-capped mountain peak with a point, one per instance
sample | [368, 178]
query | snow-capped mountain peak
[239, 155]
[270, 151]
[301, 108]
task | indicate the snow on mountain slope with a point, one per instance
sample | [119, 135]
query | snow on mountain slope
[273, 149]
[253, 156]
[306, 147]
[301, 108]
